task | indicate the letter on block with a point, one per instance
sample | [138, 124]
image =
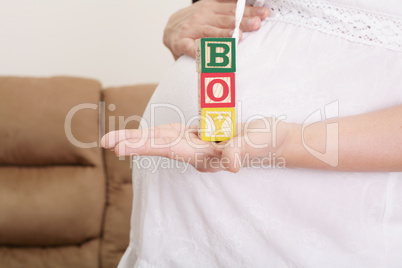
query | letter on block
[217, 124]
[217, 90]
[216, 55]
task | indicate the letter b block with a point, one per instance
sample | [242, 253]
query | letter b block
[216, 55]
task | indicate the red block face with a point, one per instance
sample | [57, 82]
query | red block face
[217, 90]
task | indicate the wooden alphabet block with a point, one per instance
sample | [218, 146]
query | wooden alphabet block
[216, 55]
[217, 124]
[217, 90]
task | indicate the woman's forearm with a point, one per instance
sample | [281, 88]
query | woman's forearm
[367, 142]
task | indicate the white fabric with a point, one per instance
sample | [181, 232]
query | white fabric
[353, 24]
[279, 217]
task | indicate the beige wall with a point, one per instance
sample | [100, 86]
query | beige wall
[118, 42]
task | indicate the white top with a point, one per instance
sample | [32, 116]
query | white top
[308, 56]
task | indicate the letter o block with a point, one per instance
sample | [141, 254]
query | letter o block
[217, 90]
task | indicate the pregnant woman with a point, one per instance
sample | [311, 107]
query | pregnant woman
[313, 177]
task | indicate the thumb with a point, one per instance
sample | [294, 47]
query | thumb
[233, 155]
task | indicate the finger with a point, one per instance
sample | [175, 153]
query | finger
[159, 147]
[222, 21]
[166, 147]
[185, 46]
[193, 127]
[240, 34]
[233, 155]
[111, 139]
[249, 24]
[224, 7]
[201, 31]
[261, 12]
[250, 11]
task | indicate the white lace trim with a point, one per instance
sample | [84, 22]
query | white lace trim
[351, 23]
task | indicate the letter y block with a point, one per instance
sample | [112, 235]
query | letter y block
[217, 124]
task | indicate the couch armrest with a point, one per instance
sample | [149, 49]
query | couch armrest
[121, 104]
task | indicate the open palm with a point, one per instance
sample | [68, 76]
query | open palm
[180, 142]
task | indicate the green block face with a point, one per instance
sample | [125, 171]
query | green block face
[216, 55]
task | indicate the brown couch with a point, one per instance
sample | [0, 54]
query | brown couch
[62, 205]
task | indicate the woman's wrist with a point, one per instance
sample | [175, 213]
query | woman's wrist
[290, 150]
[312, 146]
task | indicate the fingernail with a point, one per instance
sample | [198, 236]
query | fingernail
[263, 12]
[266, 12]
[251, 22]
[231, 33]
[103, 141]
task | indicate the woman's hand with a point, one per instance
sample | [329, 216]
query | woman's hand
[254, 145]
[207, 18]
[366, 142]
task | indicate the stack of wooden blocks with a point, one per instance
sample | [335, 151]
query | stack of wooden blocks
[216, 67]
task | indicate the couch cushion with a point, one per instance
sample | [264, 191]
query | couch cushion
[33, 112]
[80, 256]
[61, 205]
